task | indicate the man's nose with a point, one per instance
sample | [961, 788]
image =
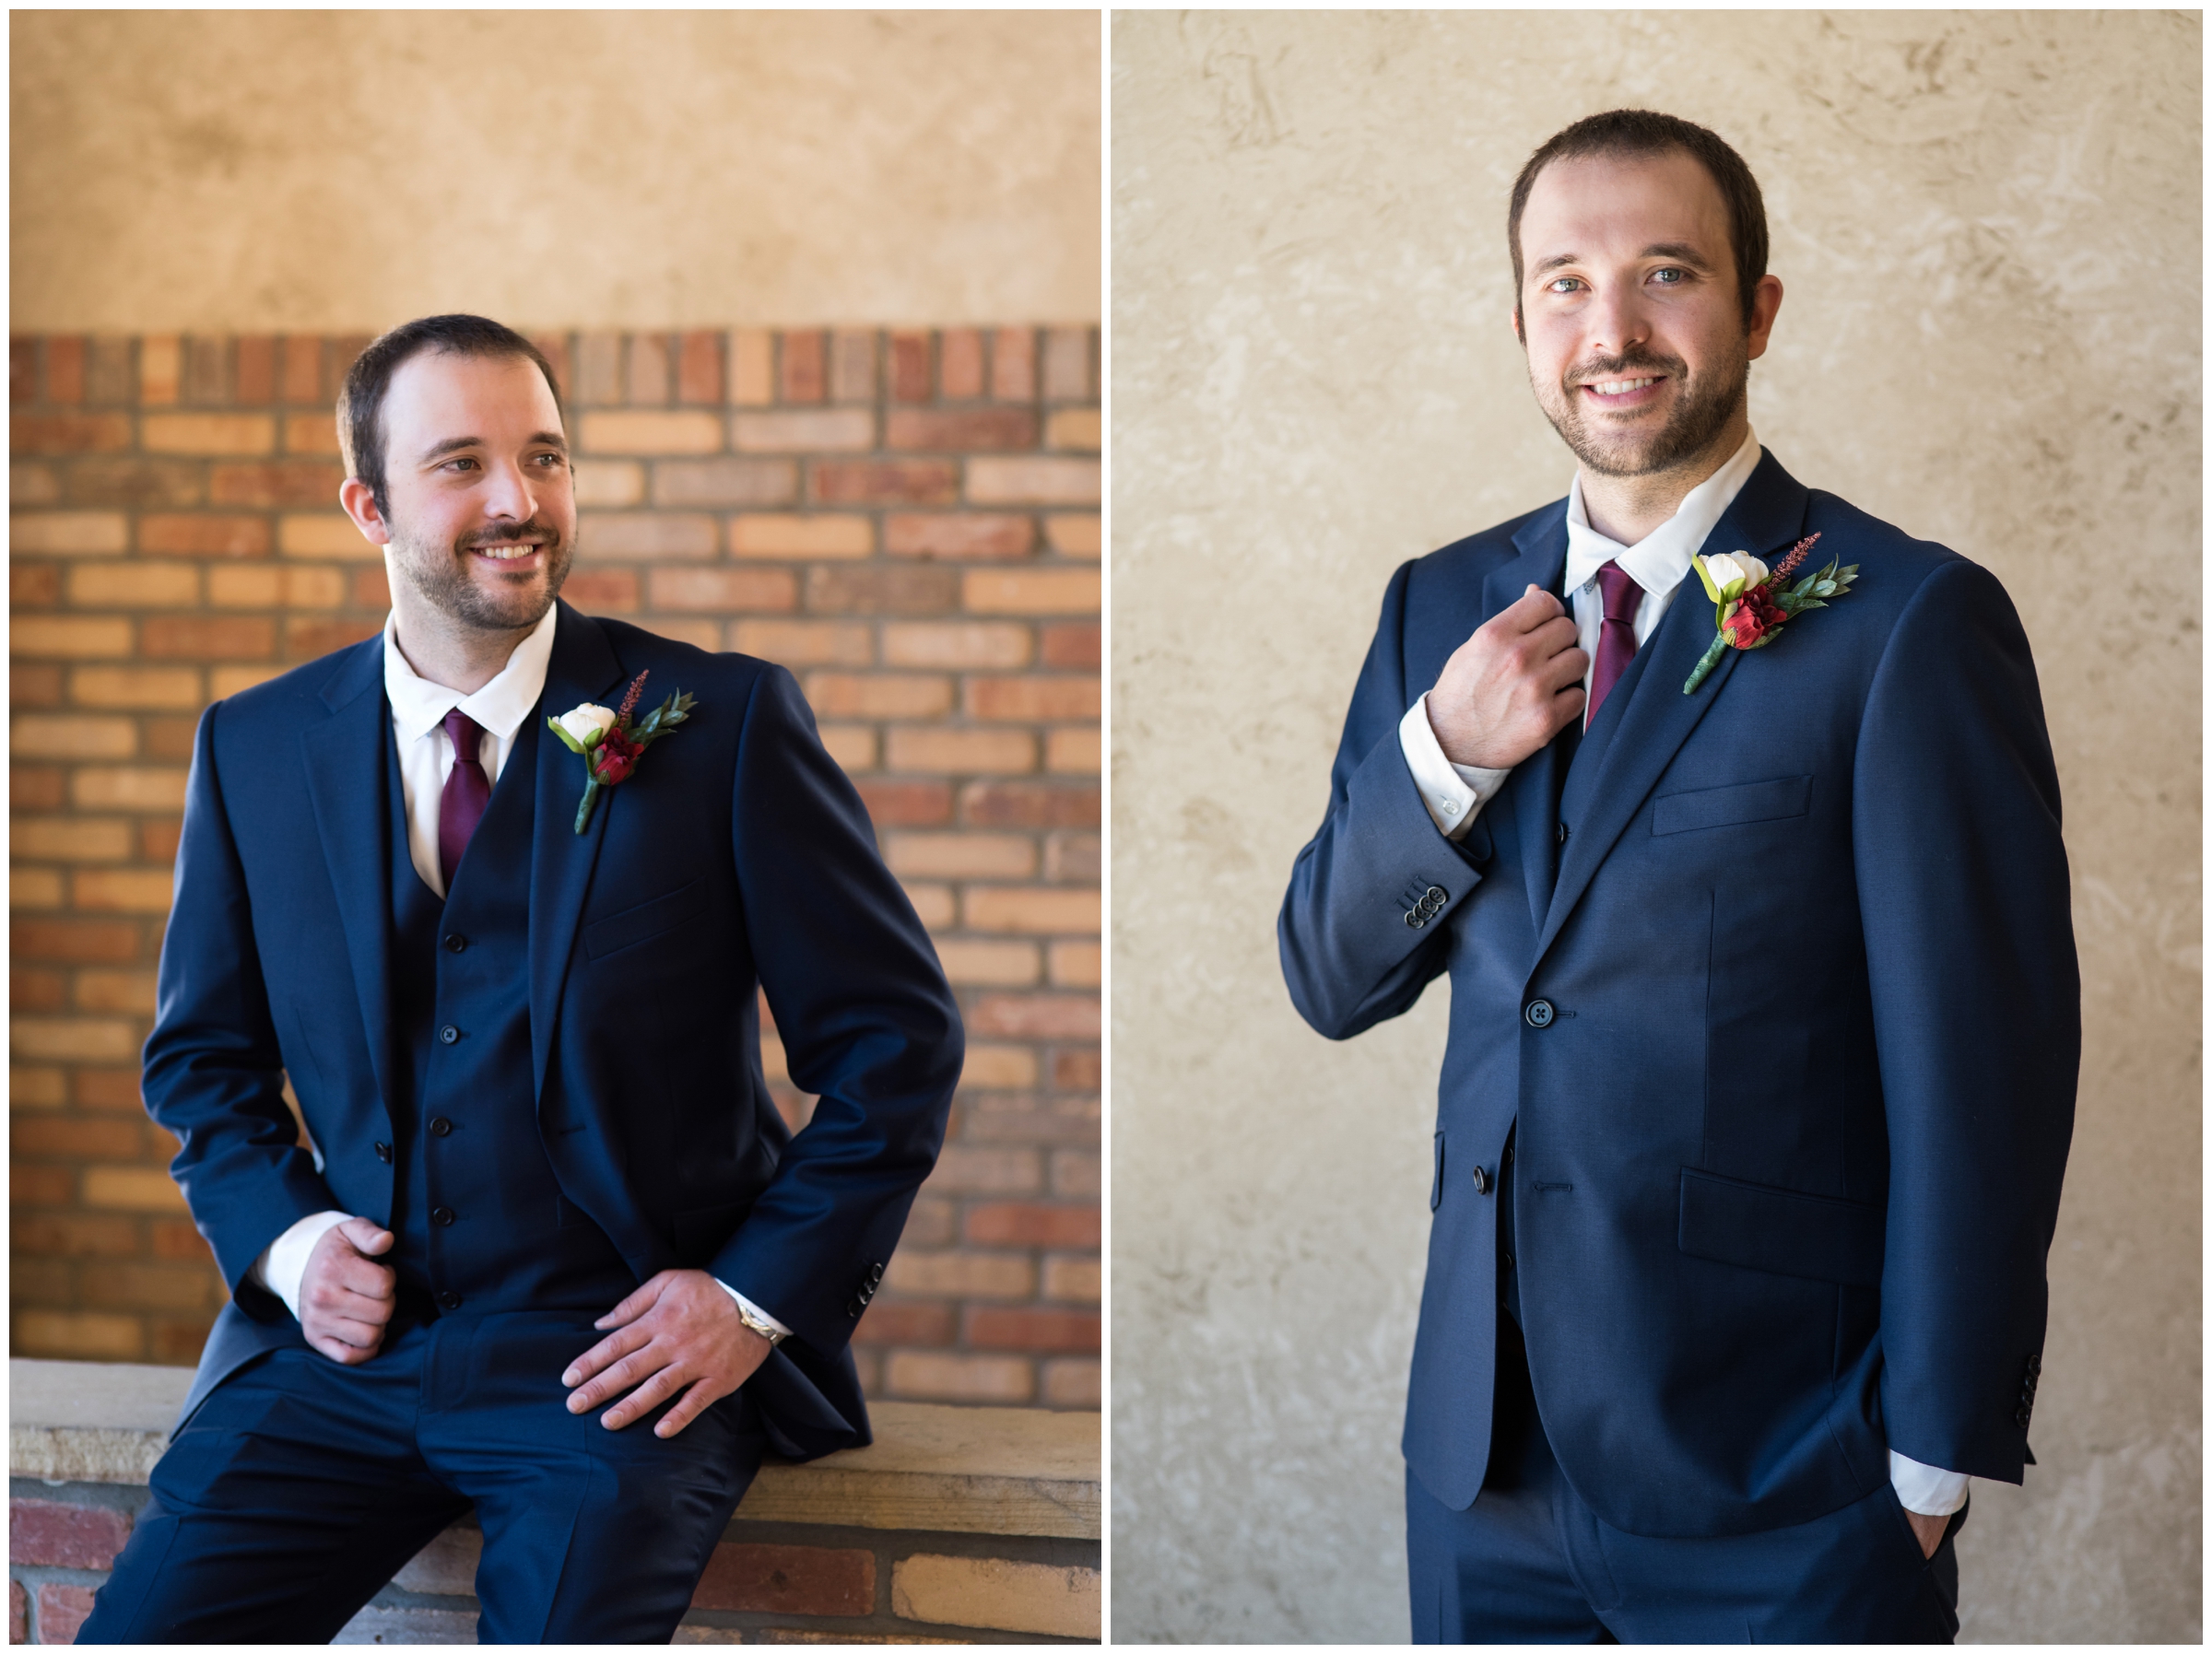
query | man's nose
[1618, 323]
[509, 492]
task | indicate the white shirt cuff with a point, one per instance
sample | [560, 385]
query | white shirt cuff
[1924, 1490]
[280, 1268]
[746, 1304]
[1454, 793]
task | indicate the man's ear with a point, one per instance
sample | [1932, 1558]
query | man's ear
[1766, 302]
[1520, 338]
[359, 502]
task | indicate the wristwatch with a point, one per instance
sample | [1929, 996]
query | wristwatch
[775, 1335]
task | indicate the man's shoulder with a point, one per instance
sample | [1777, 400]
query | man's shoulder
[307, 690]
[1894, 566]
[676, 665]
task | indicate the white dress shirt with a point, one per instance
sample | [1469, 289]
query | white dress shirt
[1455, 794]
[426, 758]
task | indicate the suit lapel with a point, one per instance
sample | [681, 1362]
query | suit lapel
[344, 762]
[1625, 756]
[583, 668]
[1534, 784]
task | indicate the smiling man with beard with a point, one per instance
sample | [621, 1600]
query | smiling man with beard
[543, 1173]
[1765, 1018]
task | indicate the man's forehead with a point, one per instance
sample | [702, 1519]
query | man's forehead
[1661, 197]
[440, 386]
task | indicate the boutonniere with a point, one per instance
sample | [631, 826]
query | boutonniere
[609, 744]
[1751, 603]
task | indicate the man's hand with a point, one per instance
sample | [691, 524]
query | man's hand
[678, 1331]
[1928, 1530]
[346, 1296]
[1512, 686]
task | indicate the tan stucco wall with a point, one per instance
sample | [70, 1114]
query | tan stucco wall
[1989, 229]
[327, 172]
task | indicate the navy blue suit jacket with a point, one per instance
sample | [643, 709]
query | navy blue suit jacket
[737, 856]
[1791, 1136]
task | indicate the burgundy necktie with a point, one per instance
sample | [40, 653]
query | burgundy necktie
[1616, 636]
[460, 806]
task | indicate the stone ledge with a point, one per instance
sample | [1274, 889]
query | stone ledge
[946, 1470]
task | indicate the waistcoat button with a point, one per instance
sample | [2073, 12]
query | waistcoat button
[456, 942]
[383, 1153]
[449, 1300]
[442, 1216]
[441, 1127]
[1539, 1013]
[449, 1033]
[1482, 1181]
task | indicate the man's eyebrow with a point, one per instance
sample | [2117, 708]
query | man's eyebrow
[542, 439]
[1682, 252]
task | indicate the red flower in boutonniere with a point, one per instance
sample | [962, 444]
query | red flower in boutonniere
[609, 744]
[1750, 604]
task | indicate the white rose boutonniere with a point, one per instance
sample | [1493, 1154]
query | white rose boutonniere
[611, 745]
[588, 724]
[1750, 605]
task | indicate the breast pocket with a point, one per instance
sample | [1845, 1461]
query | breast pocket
[642, 923]
[1776, 800]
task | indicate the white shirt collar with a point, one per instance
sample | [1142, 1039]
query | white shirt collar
[420, 706]
[1659, 560]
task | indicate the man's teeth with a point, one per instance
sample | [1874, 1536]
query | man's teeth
[1621, 387]
[506, 551]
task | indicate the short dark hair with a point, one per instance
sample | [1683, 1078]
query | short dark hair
[361, 401]
[1642, 132]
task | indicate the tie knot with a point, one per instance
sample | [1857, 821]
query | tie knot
[1622, 594]
[463, 732]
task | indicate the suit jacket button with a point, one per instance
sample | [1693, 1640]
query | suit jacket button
[1482, 1181]
[2021, 1418]
[383, 1153]
[442, 1127]
[449, 1300]
[456, 942]
[1539, 1013]
[855, 1308]
[1562, 832]
[875, 1271]
[1416, 918]
[442, 1216]
[448, 1034]
[1435, 893]
[1508, 1259]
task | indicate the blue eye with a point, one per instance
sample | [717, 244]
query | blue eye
[1678, 277]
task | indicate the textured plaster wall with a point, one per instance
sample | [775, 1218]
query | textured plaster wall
[339, 171]
[1988, 226]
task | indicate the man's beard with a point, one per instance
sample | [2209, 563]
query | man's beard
[441, 574]
[1702, 413]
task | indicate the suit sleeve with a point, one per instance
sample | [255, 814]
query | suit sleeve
[1964, 899]
[868, 1024]
[214, 1076]
[1350, 954]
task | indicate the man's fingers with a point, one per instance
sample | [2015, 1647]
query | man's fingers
[603, 1356]
[365, 1237]
[1531, 609]
[370, 1280]
[636, 1304]
[694, 1401]
[644, 1398]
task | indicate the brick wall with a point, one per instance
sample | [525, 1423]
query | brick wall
[907, 519]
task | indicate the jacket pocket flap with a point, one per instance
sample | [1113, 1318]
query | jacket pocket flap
[642, 923]
[1728, 806]
[1780, 1230]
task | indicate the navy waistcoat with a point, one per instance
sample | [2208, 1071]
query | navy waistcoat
[477, 1215]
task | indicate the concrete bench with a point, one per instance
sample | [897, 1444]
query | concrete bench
[958, 1525]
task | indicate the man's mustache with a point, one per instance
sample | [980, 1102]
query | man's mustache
[533, 530]
[1626, 365]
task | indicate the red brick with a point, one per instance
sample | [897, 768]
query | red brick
[22, 369]
[648, 376]
[603, 590]
[905, 803]
[34, 585]
[884, 482]
[958, 429]
[888, 1323]
[206, 370]
[909, 367]
[303, 370]
[75, 941]
[852, 365]
[994, 1328]
[960, 364]
[69, 433]
[34, 685]
[881, 589]
[112, 1090]
[48, 1534]
[805, 371]
[157, 840]
[256, 372]
[276, 483]
[19, 1621]
[29, 989]
[1035, 1016]
[42, 1185]
[308, 640]
[1032, 698]
[967, 535]
[1014, 364]
[1028, 803]
[207, 637]
[788, 1579]
[174, 1238]
[142, 483]
[65, 369]
[204, 537]
[63, 1608]
[179, 1342]
[1021, 1223]
[372, 587]
[699, 369]
[75, 1235]
[1069, 645]
[37, 787]
[343, 351]
[722, 591]
[1067, 364]
[65, 1138]
[167, 738]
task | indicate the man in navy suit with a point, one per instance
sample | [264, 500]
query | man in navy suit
[544, 1174]
[1765, 1016]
